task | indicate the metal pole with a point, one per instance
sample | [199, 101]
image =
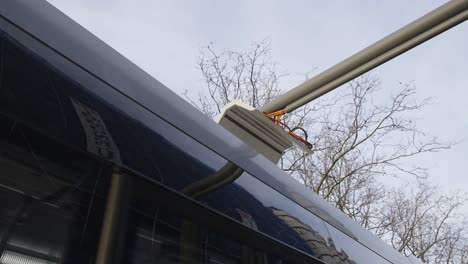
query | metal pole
[107, 242]
[378, 61]
[413, 34]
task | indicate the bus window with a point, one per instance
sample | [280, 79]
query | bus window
[51, 199]
[161, 229]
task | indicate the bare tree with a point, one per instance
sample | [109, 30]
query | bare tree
[250, 77]
[358, 138]
[422, 222]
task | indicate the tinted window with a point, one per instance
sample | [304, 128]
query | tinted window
[51, 199]
[162, 228]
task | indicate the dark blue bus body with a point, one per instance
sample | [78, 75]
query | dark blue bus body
[74, 113]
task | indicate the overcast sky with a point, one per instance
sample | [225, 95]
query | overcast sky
[164, 38]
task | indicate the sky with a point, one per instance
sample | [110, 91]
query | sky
[164, 39]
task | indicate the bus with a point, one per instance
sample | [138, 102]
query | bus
[95, 155]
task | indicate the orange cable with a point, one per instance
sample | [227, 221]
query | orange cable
[275, 116]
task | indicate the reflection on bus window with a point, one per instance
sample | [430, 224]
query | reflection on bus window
[325, 250]
[156, 235]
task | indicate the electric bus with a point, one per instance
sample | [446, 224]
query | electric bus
[95, 155]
